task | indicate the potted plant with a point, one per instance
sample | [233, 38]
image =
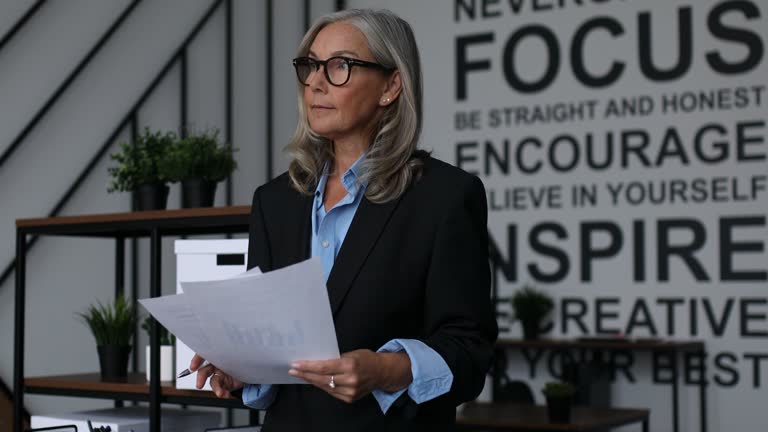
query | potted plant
[166, 351]
[559, 398]
[199, 162]
[112, 326]
[139, 169]
[530, 306]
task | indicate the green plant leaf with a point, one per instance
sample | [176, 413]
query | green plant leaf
[111, 324]
[166, 337]
[558, 389]
[199, 156]
[140, 164]
[529, 303]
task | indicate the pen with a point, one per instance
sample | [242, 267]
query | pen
[186, 372]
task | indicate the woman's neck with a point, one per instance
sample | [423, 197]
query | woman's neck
[346, 153]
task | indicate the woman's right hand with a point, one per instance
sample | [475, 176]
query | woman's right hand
[221, 383]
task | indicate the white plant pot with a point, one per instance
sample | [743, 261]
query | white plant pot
[166, 362]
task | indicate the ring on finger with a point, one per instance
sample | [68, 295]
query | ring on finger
[332, 384]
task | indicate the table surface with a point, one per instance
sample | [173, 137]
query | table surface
[515, 416]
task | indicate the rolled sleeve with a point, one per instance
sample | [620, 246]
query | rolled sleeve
[431, 375]
[259, 396]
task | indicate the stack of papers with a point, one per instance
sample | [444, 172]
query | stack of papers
[254, 325]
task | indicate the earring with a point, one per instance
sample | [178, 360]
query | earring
[385, 101]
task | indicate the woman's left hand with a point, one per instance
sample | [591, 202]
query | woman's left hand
[356, 373]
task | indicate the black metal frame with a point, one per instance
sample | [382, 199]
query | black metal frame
[155, 282]
[183, 98]
[155, 229]
[270, 62]
[18, 333]
[228, 128]
[6, 392]
[120, 285]
[134, 124]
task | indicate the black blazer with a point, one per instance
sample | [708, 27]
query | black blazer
[416, 267]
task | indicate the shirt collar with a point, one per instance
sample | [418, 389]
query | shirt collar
[350, 180]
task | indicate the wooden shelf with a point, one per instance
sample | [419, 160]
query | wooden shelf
[515, 416]
[136, 387]
[208, 220]
[607, 344]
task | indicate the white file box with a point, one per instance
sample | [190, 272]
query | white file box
[204, 260]
[132, 418]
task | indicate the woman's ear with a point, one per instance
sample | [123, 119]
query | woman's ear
[392, 89]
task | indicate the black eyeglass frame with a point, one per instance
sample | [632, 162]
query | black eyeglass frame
[350, 62]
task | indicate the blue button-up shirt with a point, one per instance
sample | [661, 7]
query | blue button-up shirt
[431, 375]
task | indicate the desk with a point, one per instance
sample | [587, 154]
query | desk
[508, 416]
[597, 344]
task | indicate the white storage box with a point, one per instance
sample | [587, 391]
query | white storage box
[132, 418]
[204, 260]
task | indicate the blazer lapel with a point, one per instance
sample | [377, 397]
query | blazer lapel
[303, 213]
[366, 227]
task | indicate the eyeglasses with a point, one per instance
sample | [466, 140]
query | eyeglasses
[337, 69]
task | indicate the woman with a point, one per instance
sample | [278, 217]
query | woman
[402, 238]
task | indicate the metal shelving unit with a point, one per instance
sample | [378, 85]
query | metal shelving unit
[672, 348]
[119, 226]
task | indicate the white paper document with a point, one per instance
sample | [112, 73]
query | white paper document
[254, 325]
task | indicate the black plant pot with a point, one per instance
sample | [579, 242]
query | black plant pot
[113, 360]
[197, 193]
[559, 409]
[531, 329]
[151, 197]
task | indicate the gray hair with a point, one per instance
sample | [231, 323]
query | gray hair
[389, 167]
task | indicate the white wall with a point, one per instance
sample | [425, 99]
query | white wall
[730, 407]
[66, 274]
